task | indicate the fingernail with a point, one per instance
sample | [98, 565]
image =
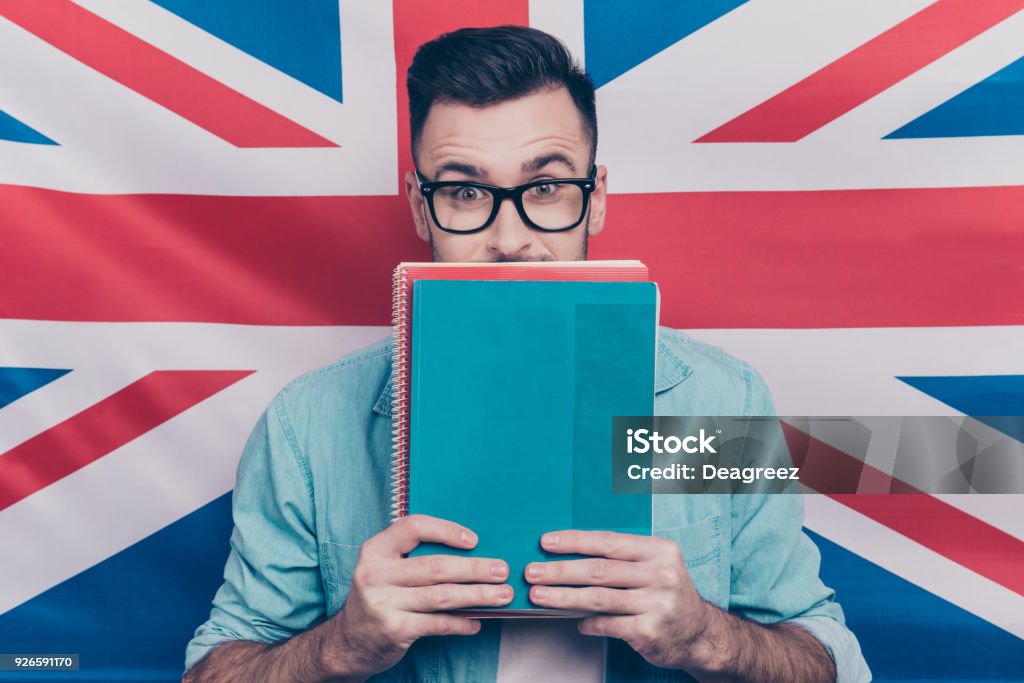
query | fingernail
[503, 592]
[468, 537]
[535, 571]
[550, 540]
[498, 569]
[540, 592]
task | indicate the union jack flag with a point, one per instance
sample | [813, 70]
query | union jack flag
[201, 201]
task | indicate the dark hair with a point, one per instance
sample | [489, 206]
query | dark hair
[484, 66]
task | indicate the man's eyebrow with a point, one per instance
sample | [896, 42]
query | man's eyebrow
[540, 162]
[459, 167]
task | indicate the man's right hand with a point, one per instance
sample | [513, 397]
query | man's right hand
[394, 600]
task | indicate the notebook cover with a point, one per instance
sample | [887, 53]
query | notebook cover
[408, 272]
[512, 389]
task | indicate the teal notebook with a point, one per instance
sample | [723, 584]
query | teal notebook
[513, 386]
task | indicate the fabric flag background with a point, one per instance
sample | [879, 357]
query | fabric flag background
[200, 201]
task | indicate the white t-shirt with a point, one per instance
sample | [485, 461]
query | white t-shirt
[535, 650]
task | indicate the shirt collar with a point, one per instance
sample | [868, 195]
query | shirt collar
[383, 404]
[670, 370]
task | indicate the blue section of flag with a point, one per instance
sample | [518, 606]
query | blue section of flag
[619, 34]
[14, 130]
[16, 382]
[993, 107]
[302, 39]
[131, 616]
[996, 400]
[907, 633]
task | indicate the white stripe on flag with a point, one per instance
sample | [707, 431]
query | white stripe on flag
[168, 472]
[114, 141]
[651, 115]
[915, 563]
[563, 19]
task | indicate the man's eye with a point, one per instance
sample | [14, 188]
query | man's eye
[544, 191]
[464, 193]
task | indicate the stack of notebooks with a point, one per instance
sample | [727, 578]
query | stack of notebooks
[506, 379]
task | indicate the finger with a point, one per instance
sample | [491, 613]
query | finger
[609, 544]
[622, 627]
[444, 625]
[590, 599]
[427, 570]
[596, 571]
[408, 532]
[447, 596]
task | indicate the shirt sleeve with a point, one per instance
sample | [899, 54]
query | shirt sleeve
[775, 567]
[272, 586]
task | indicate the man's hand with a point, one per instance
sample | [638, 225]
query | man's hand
[640, 579]
[391, 603]
[643, 593]
[393, 600]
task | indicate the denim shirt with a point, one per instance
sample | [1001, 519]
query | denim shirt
[313, 484]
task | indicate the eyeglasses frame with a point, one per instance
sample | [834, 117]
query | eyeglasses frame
[500, 194]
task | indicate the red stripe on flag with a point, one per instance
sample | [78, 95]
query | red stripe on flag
[829, 470]
[256, 260]
[105, 426]
[861, 74]
[850, 258]
[864, 258]
[416, 22]
[949, 531]
[154, 74]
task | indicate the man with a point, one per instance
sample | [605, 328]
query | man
[317, 585]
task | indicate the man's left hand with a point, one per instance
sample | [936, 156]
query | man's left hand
[639, 585]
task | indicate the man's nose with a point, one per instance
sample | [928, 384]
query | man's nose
[509, 236]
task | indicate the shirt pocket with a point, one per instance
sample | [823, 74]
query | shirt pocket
[338, 562]
[701, 545]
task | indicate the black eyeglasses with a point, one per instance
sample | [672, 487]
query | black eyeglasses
[550, 205]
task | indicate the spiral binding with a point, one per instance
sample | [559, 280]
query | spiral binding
[400, 395]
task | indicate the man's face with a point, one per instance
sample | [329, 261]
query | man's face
[532, 138]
